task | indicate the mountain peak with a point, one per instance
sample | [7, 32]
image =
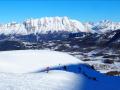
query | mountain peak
[43, 25]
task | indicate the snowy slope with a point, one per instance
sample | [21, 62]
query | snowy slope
[31, 61]
[17, 72]
[54, 80]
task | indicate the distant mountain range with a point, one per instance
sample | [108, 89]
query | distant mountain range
[47, 25]
[61, 29]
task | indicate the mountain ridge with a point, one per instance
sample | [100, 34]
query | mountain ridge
[46, 25]
[43, 25]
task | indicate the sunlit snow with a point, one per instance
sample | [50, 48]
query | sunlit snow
[18, 71]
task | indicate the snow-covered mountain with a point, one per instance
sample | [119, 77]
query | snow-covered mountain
[43, 25]
[12, 28]
[105, 26]
[56, 24]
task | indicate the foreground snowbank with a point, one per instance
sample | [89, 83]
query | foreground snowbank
[25, 61]
[54, 80]
[16, 65]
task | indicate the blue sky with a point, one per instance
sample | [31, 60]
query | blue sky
[83, 10]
